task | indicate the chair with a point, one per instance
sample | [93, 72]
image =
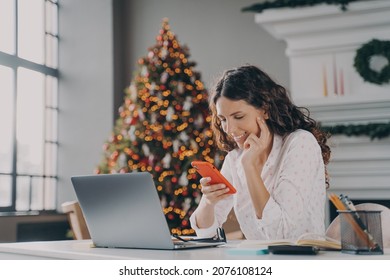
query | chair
[76, 220]
[333, 231]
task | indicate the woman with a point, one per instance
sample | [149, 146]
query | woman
[276, 160]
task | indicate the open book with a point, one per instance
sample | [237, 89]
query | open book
[307, 239]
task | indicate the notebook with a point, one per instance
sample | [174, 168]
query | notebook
[124, 211]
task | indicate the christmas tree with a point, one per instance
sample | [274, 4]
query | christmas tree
[163, 125]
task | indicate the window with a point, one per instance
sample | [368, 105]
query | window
[28, 104]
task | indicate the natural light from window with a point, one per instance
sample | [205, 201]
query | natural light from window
[7, 26]
[28, 104]
[31, 30]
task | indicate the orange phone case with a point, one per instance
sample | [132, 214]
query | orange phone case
[206, 169]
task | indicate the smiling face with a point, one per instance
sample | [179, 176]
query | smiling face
[238, 119]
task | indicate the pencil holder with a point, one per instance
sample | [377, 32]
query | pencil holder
[361, 232]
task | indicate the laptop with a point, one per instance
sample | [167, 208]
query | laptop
[124, 211]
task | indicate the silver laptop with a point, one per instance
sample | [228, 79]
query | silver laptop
[124, 211]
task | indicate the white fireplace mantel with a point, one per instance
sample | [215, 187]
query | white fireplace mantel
[325, 28]
[321, 45]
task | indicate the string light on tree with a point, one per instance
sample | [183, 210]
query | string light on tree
[163, 125]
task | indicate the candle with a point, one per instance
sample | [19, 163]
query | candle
[334, 76]
[324, 81]
[341, 82]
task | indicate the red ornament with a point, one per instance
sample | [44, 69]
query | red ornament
[133, 120]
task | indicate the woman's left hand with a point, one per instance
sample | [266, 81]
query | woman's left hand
[256, 149]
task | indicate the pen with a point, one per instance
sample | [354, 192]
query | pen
[341, 207]
[348, 203]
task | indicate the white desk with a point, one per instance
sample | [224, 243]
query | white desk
[83, 250]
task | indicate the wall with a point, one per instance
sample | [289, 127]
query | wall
[218, 34]
[85, 89]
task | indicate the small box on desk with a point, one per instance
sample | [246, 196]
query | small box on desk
[361, 232]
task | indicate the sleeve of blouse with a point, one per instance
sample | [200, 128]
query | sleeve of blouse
[222, 208]
[297, 202]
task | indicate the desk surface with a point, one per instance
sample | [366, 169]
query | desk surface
[83, 250]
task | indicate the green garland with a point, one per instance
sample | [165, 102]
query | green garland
[373, 130]
[258, 8]
[363, 57]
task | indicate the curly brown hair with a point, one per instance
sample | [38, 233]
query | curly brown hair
[252, 85]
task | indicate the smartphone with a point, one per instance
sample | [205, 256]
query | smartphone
[292, 250]
[206, 169]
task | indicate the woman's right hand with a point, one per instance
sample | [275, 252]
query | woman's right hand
[213, 193]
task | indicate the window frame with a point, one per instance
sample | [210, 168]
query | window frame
[14, 62]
